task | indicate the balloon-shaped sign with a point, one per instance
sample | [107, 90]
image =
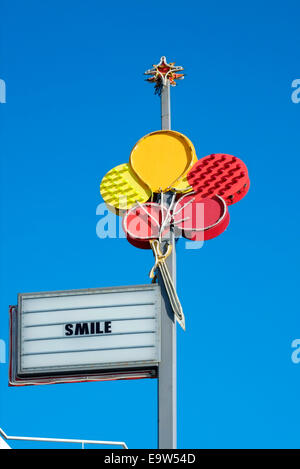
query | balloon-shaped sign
[121, 188]
[200, 219]
[162, 158]
[220, 174]
[143, 223]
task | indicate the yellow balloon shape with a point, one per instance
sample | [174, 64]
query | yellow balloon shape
[162, 158]
[121, 188]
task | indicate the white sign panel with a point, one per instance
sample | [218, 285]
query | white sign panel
[95, 331]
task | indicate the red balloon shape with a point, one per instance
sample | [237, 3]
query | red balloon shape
[143, 222]
[220, 174]
[200, 219]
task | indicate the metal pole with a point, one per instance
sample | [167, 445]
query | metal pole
[167, 392]
[165, 107]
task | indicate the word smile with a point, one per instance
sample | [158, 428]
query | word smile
[88, 328]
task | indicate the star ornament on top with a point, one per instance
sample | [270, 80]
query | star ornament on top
[164, 72]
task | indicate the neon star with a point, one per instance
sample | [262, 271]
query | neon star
[164, 72]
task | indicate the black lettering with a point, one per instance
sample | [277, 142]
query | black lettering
[69, 329]
[81, 328]
[86, 328]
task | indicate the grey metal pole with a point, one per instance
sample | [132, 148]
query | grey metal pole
[167, 388]
[165, 107]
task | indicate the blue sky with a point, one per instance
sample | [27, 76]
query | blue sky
[76, 104]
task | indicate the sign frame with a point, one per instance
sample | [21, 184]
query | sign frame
[81, 373]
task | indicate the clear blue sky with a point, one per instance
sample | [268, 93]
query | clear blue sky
[76, 104]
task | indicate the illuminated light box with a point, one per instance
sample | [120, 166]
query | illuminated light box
[84, 335]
